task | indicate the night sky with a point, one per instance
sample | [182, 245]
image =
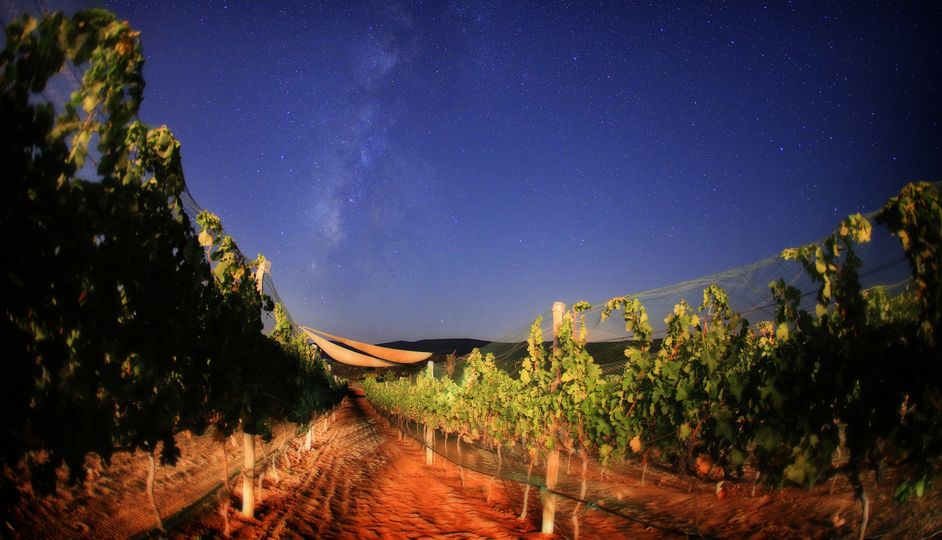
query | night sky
[449, 169]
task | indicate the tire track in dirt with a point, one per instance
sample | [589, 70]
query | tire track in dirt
[327, 489]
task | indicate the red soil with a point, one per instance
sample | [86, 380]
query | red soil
[360, 481]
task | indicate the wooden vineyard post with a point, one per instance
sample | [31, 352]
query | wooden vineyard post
[263, 268]
[248, 476]
[549, 500]
[429, 442]
[309, 438]
[429, 431]
[552, 459]
[558, 309]
[248, 439]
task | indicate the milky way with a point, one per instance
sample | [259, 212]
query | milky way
[451, 169]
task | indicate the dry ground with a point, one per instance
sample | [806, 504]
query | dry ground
[361, 481]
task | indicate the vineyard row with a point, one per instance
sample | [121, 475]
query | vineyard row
[861, 373]
[122, 326]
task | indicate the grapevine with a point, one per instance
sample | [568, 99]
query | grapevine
[122, 326]
[718, 394]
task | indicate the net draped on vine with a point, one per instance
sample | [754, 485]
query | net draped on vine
[56, 93]
[192, 209]
[884, 264]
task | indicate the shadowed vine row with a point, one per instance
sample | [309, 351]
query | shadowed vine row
[121, 326]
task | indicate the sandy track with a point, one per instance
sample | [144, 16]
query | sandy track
[360, 481]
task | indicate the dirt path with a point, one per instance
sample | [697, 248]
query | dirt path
[360, 481]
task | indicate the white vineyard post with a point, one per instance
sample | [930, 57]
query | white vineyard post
[263, 267]
[549, 500]
[429, 432]
[558, 309]
[248, 475]
[552, 459]
[248, 439]
[429, 437]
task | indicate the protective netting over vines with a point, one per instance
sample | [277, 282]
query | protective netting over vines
[58, 91]
[884, 264]
[192, 209]
[781, 372]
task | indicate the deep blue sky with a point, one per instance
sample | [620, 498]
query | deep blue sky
[449, 169]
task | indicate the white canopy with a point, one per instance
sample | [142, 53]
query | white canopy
[345, 356]
[398, 356]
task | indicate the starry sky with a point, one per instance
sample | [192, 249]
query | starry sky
[449, 169]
